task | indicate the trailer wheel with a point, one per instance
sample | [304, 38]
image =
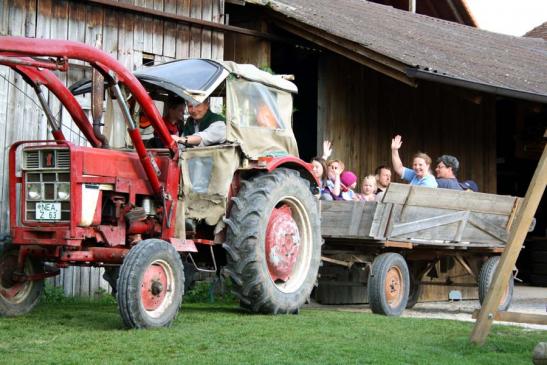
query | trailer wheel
[486, 277]
[150, 285]
[17, 298]
[273, 243]
[388, 284]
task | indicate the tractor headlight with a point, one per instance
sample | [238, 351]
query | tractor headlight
[63, 191]
[34, 191]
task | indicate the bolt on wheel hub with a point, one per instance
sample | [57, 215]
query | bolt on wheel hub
[153, 287]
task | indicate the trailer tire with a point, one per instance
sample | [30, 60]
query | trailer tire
[18, 298]
[486, 277]
[273, 272]
[388, 284]
[150, 285]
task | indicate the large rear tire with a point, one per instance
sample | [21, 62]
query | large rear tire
[18, 298]
[486, 277]
[274, 243]
[388, 284]
[150, 285]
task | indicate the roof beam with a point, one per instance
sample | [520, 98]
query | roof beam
[160, 14]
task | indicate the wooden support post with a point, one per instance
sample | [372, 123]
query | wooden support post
[509, 257]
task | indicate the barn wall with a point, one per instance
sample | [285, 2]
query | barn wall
[360, 110]
[129, 37]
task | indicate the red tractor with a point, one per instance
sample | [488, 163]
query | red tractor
[150, 217]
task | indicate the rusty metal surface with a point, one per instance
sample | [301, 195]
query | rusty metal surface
[426, 43]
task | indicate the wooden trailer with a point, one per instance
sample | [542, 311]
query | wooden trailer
[379, 252]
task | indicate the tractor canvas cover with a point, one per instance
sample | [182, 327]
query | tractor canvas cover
[258, 104]
[259, 109]
[258, 114]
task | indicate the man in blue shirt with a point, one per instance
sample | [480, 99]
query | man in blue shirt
[446, 170]
[421, 162]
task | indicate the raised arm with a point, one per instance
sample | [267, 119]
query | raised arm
[395, 159]
[327, 149]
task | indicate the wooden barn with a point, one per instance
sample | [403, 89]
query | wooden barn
[367, 71]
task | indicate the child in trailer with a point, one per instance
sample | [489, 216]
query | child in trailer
[368, 189]
[349, 182]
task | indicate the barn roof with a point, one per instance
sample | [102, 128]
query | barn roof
[411, 46]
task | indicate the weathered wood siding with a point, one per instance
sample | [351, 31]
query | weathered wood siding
[361, 110]
[129, 37]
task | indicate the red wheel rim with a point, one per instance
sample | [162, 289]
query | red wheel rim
[393, 288]
[282, 243]
[154, 287]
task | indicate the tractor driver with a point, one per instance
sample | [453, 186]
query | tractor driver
[203, 127]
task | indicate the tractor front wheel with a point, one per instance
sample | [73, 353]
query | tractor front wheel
[18, 298]
[274, 242]
[150, 285]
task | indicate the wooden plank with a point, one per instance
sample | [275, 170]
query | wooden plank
[111, 23]
[170, 30]
[30, 18]
[449, 199]
[355, 218]
[182, 46]
[516, 317]
[16, 24]
[337, 219]
[413, 226]
[138, 30]
[206, 34]
[489, 228]
[398, 244]
[195, 31]
[148, 26]
[5, 75]
[157, 29]
[509, 256]
[380, 220]
[217, 40]
[451, 231]
[126, 38]
[4, 17]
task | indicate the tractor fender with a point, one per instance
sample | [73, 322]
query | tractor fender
[291, 162]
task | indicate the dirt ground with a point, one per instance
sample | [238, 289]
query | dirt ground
[526, 299]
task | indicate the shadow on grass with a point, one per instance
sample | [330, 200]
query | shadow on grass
[87, 316]
[213, 308]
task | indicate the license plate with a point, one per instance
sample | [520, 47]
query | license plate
[48, 211]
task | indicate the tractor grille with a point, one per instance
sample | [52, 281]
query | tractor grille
[47, 185]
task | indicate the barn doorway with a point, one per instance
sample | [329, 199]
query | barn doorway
[302, 62]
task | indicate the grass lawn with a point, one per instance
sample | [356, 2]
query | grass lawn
[77, 333]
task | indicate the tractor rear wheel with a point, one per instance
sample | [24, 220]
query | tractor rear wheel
[486, 277]
[150, 285]
[388, 284]
[273, 242]
[18, 298]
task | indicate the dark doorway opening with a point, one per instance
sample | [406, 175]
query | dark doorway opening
[520, 143]
[302, 62]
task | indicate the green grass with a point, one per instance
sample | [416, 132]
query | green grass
[87, 332]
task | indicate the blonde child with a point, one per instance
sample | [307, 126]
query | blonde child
[368, 189]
